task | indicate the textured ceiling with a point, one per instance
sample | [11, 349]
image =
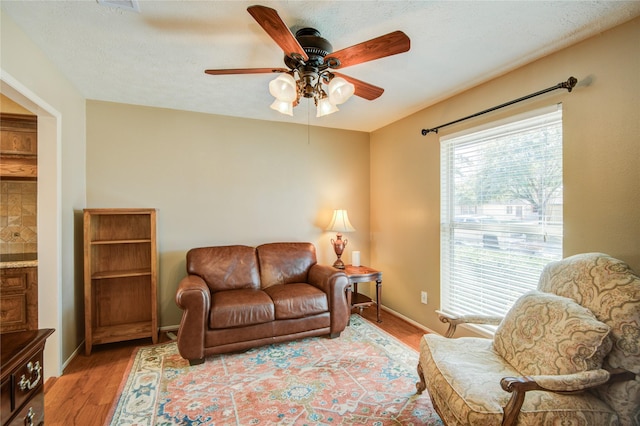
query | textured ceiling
[157, 56]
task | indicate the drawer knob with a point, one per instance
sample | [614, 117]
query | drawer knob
[28, 384]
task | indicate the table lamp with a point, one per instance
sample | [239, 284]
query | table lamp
[339, 224]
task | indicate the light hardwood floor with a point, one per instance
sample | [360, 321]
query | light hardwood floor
[86, 391]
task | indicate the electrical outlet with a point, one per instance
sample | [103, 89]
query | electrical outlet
[423, 297]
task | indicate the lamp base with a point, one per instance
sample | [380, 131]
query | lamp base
[338, 246]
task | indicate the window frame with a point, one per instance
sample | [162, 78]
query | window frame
[448, 199]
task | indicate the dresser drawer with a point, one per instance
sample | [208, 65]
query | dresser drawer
[28, 379]
[31, 414]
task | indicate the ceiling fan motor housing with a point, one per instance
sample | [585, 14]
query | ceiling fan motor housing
[315, 46]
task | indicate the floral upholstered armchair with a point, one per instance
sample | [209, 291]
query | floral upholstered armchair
[566, 354]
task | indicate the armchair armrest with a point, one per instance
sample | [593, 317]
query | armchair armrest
[519, 386]
[455, 320]
[194, 298]
[335, 284]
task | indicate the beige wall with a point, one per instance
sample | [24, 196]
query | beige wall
[220, 180]
[31, 80]
[9, 106]
[601, 164]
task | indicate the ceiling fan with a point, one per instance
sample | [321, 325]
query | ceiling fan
[311, 65]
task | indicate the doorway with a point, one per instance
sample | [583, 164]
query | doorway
[49, 217]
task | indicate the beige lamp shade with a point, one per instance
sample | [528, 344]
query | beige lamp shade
[340, 222]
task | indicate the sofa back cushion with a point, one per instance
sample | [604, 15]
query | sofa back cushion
[284, 263]
[225, 267]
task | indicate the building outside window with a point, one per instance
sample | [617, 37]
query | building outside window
[501, 211]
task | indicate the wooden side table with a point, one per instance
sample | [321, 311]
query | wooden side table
[364, 274]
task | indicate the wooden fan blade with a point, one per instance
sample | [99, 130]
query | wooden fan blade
[363, 89]
[246, 71]
[379, 47]
[271, 22]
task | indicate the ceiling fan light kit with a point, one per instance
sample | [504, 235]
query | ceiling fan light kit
[324, 106]
[310, 60]
[340, 90]
[283, 107]
[283, 88]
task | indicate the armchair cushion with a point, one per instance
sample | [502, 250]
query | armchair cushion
[545, 334]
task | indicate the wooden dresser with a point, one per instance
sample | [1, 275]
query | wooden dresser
[21, 385]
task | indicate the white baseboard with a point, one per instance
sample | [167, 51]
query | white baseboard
[72, 356]
[409, 320]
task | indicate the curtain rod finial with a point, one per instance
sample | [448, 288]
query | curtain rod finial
[570, 83]
[425, 132]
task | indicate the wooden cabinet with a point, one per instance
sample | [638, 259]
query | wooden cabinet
[18, 299]
[21, 392]
[120, 275]
[18, 146]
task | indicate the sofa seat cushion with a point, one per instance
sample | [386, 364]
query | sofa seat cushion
[463, 379]
[237, 308]
[297, 300]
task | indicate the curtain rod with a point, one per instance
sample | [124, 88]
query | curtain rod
[569, 85]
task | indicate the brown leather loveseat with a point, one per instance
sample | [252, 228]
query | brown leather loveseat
[238, 297]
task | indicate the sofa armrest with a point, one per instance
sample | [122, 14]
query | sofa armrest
[335, 284]
[194, 298]
[455, 320]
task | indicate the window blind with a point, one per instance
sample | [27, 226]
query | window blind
[501, 211]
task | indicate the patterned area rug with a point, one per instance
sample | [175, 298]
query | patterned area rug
[364, 377]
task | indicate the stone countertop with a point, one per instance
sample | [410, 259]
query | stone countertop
[18, 260]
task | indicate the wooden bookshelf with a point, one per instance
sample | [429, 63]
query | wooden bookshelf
[120, 275]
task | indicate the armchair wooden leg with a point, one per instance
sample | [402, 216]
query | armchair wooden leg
[193, 362]
[421, 385]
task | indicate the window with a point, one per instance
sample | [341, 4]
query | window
[510, 176]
